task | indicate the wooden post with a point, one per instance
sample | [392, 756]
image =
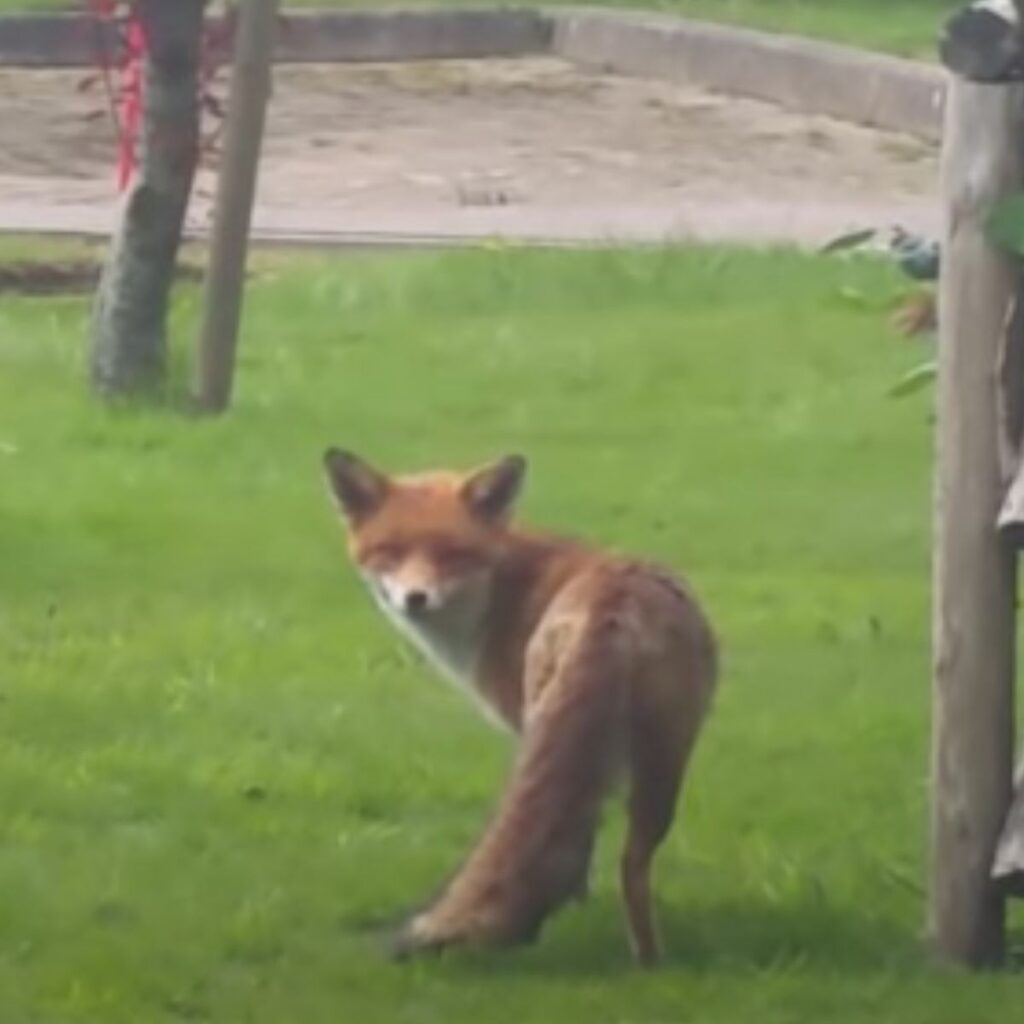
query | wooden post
[236, 189]
[975, 569]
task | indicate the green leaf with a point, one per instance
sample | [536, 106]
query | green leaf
[915, 379]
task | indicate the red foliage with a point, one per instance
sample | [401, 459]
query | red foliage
[120, 65]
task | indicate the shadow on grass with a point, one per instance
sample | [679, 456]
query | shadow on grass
[730, 937]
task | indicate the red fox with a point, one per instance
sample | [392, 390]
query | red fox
[603, 665]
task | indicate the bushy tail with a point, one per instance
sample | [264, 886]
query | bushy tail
[535, 854]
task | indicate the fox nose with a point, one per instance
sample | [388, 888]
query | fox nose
[415, 601]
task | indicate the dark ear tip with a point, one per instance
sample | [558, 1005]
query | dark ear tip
[516, 462]
[333, 455]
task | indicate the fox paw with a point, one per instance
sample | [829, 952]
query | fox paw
[427, 933]
[418, 938]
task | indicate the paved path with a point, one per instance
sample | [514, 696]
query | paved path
[534, 150]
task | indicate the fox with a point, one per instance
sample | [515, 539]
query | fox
[603, 665]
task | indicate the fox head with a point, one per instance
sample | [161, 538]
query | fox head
[427, 543]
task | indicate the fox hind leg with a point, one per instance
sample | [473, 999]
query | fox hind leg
[656, 775]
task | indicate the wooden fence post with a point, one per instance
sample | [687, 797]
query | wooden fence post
[975, 568]
[236, 189]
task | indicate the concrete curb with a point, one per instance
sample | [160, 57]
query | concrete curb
[309, 37]
[726, 222]
[800, 74]
[359, 240]
[72, 40]
[50, 40]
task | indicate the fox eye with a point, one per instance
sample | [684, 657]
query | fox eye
[453, 556]
[384, 554]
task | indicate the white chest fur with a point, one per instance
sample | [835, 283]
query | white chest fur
[451, 642]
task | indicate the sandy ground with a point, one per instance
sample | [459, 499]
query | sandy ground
[534, 148]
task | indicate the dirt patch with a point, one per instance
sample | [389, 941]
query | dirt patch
[25, 277]
[535, 147]
[63, 277]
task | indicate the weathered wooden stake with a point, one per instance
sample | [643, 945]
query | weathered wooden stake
[236, 189]
[975, 568]
[1011, 516]
[1008, 870]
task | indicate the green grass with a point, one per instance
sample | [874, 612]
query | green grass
[220, 772]
[907, 27]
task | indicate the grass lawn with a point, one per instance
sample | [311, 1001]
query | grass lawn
[907, 27]
[220, 772]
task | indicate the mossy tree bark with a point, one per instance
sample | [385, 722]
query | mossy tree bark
[129, 335]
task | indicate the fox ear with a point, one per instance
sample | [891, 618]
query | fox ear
[357, 486]
[491, 492]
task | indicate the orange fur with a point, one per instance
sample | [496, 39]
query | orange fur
[605, 666]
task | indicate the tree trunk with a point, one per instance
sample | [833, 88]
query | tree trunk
[975, 568]
[129, 341]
